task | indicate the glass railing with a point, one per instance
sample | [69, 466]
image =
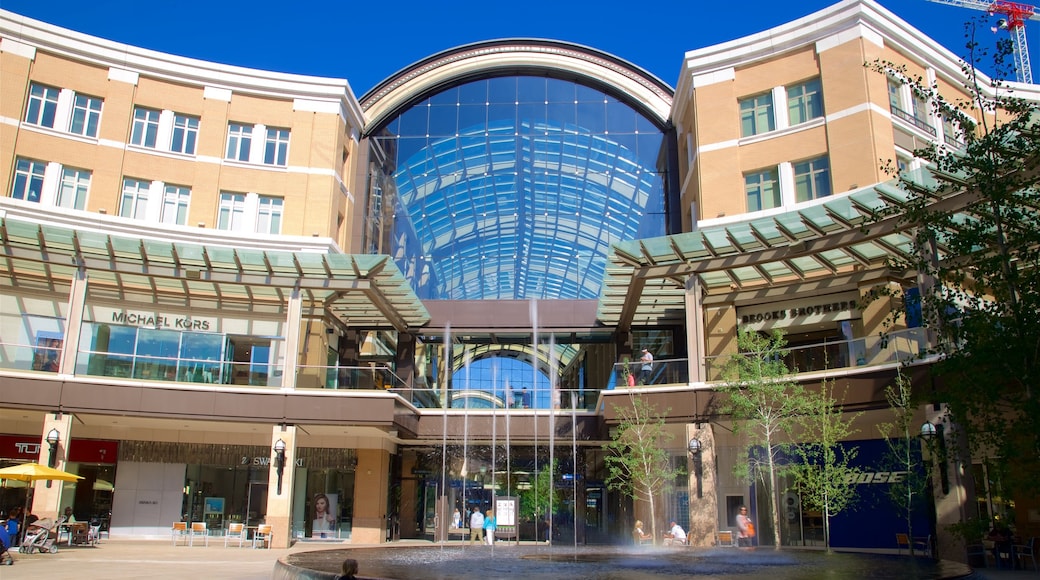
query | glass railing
[899, 346]
[894, 347]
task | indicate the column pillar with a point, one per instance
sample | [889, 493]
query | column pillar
[293, 328]
[279, 501]
[404, 359]
[704, 500]
[46, 494]
[371, 482]
[953, 488]
[73, 323]
[694, 330]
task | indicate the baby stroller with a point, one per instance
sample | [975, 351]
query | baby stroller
[38, 537]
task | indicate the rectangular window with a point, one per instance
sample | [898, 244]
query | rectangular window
[185, 133]
[231, 212]
[238, 141]
[72, 192]
[894, 100]
[952, 133]
[175, 205]
[86, 115]
[812, 179]
[756, 115]
[28, 180]
[133, 203]
[276, 147]
[269, 216]
[43, 105]
[804, 102]
[763, 190]
[146, 127]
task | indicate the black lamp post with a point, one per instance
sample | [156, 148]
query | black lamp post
[53, 436]
[693, 449]
[279, 463]
[934, 437]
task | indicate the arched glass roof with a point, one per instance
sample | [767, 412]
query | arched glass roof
[514, 187]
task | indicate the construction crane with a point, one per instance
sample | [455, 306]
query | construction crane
[1014, 16]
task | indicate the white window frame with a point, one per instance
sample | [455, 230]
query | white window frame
[86, 110]
[802, 100]
[276, 146]
[269, 214]
[175, 204]
[769, 113]
[239, 142]
[33, 172]
[42, 105]
[134, 191]
[145, 129]
[184, 136]
[231, 211]
[779, 195]
[813, 172]
[74, 182]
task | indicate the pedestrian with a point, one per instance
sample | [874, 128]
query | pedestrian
[646, 366]
[745, 529]
[456, 519]
[489, 527]
[476, 526]
[350, 570]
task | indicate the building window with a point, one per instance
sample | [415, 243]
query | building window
[804, 102]
[756, 115]
[43, 105]
[238, 141]
[72, 192]
[276, 147]
[146, 127]
[185, 134]
[952, 133]
[28, 180]
[763, 190]
[175, 205]
[269, 215]
[134, 201]
[86, 115]
[909, 107]
[232, 211]
[812, 179]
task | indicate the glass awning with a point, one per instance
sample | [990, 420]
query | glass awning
[360, 290]
[645, 279]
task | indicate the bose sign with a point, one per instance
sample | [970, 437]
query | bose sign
[877, 477]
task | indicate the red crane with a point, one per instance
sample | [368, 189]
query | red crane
[1014, 16]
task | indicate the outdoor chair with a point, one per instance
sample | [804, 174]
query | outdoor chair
[976, 555]
[1027, 552]
[179, 530]
[94, 534]
[726, 539]
[236, 531]
[262, 536]
[198, 529]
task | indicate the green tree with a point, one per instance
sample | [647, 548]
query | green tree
[903, 452]
[765, 404]
[824, 474]
[538, 500]
[637, 462]
[976, 249]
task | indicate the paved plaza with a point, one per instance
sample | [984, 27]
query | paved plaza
[159, 560]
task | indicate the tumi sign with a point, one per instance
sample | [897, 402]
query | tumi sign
[27, 448]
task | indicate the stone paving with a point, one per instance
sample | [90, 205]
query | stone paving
[159, 560]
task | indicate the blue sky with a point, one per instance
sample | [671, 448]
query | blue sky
[365, 42]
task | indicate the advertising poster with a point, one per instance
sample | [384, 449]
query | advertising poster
[325, 508]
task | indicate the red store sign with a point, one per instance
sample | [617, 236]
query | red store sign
[25, 448]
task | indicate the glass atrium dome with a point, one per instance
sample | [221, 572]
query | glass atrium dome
[514, 187]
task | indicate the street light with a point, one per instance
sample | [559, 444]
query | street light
[53, 436]
[279, 463]
[934, 438]
[693, 449]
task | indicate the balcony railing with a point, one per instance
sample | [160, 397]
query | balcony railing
[894, 347]
[921, 124]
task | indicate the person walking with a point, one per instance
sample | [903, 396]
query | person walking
[476, 526]
[646, 366]
[489, 527]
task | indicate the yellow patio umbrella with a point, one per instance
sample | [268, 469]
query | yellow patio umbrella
[30, 472]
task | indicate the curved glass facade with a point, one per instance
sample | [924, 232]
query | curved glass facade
[513, 188]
